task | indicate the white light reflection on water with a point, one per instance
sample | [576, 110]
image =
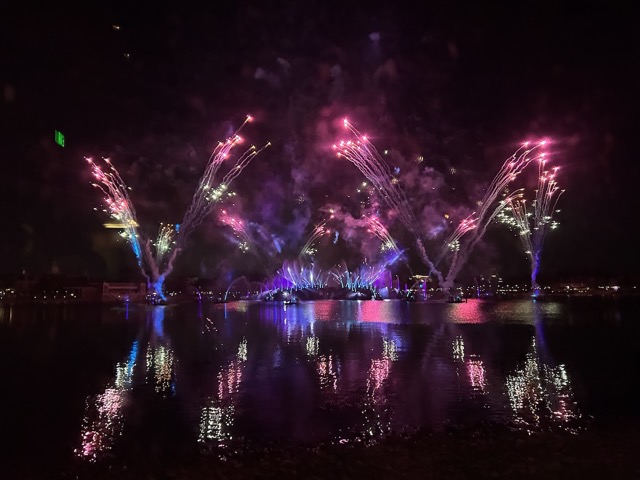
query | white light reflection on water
[458, 349]
[377, 411]
[376, 405]
[159, 356]
[218, 414]
[327, 366]
[160, 362]
[344, 379]
[364, 380]
[473, 364]
[242, 351]
[328, 369]
[103, 420]
[313, 346]
[540, 394]
[477, 374]
[216, 423]
[389, 349]
[378, 374]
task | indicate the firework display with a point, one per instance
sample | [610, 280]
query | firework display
[118, 203]
[208, 192]
[299, 275]
[494, 201]
[452, 243]
[156, 259]
[361, 152]
[309, 247]
[470, 231]
[533, 222]
[500, 202]
[240, 230]
[380, 231]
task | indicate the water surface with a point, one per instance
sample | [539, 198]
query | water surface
[102, 382]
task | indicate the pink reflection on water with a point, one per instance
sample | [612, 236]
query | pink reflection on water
[376, 311]
[467, 312]
[323, 310]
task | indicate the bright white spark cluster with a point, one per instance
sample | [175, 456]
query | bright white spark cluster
[309, 248]
[380, 231]
[533, 222]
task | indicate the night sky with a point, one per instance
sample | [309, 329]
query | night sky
[154, 88]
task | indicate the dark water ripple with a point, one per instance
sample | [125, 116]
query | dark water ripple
[94, 382]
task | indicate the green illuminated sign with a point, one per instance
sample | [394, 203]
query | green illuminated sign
[59, 138]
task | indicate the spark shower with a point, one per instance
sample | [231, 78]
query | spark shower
[444, 257]
[156, 259]
[462, 241]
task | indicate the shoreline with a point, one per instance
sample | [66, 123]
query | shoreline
[609, 450]
[498, 298]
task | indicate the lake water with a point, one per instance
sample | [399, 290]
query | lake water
[92, 382]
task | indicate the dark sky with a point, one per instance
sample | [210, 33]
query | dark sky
[458, 85]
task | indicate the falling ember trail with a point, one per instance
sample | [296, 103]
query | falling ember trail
[495, 200]
[245, 240]
[470, 231]
[207, 193]
[366, 158]
[534, 222]
[380, 231]
[156, 260]
[309, 246]
[118, 203]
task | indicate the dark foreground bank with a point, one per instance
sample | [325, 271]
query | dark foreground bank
[603, 452]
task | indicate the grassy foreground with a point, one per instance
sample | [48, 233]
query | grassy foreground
[604, 453]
